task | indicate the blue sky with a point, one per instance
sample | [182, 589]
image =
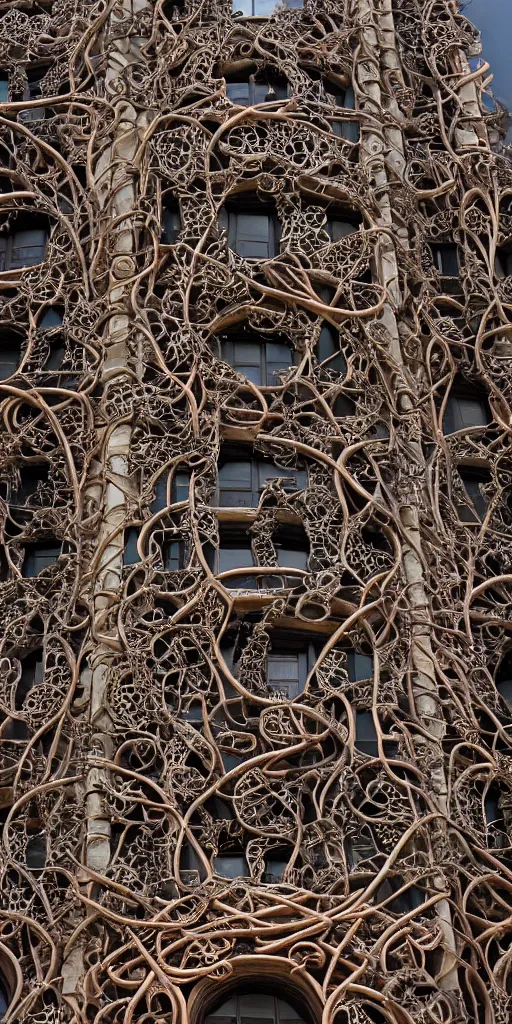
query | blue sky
[494, 19]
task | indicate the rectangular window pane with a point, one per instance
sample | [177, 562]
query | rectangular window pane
[247, 352]
[252, 235]
[230, 866]
[366, 734]
[291, 558]
[28, 248]
[256, 1004]
[279, 358]
[260, 90]
[339, 228]
[9, 362]
[234, 558]
[38, 557]
[160, 499]
[238, 92]
[172, 224]
[4, 89]
[130, 553]
[181, 486]
[350, 131]
[172, 555]
[359, 666]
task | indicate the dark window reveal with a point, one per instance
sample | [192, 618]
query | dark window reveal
[38, 556]
[345, 222]
[253, 229]
[242, 479]
[10, 353]
[231, 865]
[275, 866]
[366, 734]
[466, 408]
[260, 360]
[474, 480]
[503, 263]
[254, 1007]
[24, 247]
[503, 679]
[171, 223]
[33, 92]
[348, 130]
[328, 348]
[446, 259]
[359, 666]
[52, 317]
[130, 554]
[251, 91]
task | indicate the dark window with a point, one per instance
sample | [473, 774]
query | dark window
[180, 490]
[473, 480]
[287, 672]
[231, 865]
[24, 247]
[503, 679]
[241, 480]
[160, 494]
[343, 223]
[290, 660]
[38, 556]
[4, 998]
[56, 358]
[328, 348]
[52, 317]
[173, 555]
[251, 91]
[348, 130]
[4, 88]
[253, 229]
[466, 409]
[275, 866]
[260, 360]
[33, 92]
[10, 352]
[359, 666]
[30, 478]
[130, 554]
[366, 734]
[32, 673]
[254, 1007]
[446, 259]
[171, 223]
[235, 553]
[503, 263]
[409, 900]
[35, 853]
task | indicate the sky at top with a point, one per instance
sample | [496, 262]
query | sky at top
[494, 20]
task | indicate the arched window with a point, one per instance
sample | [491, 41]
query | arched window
[254, 1007]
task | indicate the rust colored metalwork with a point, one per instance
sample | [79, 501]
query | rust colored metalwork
[256, 508]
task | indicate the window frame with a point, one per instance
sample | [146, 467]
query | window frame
[437, 249]
[229, 219]
[453, 410]
[7, 260]
[257, 479]
[227, 347]
[30, 552]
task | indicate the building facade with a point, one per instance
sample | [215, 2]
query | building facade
[256, 502]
